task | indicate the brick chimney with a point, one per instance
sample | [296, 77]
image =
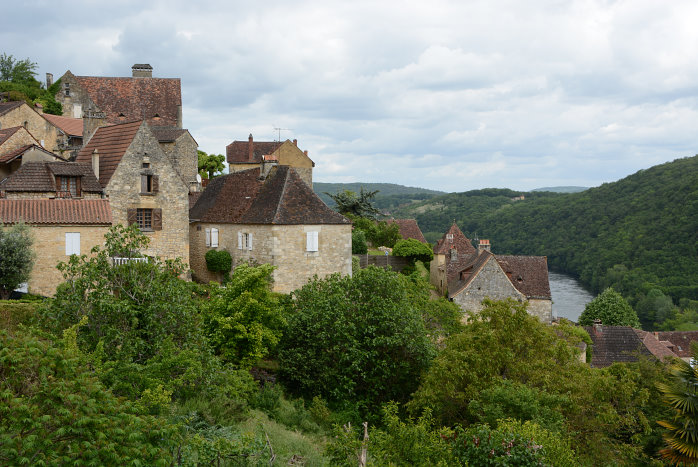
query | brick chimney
[483, 245]
[250, 148]
[142, 70]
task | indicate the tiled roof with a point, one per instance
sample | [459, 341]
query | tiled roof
[5, 133]
[409, 229]
[615, 344]
[193, 198]
[56, 211]
[239, 151]
[36, 177]
[660, 349]
[111, 143]
[157, 100]
[283, 198]
[12, 155]
[8, 106]
[70, 126]
[459, 241]
[681, 341]
[167, 134]
[529, 274]
[463, 270]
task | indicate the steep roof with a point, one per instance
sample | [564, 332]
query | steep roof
[111, 143]
[157, 100]
[282, 198]
[5, 133]
[529, 274]
[463, 270]
[615, 344]
[409, 229]
[56, 211]
[659, 348]
[39, 177]
[681, 341]
[5, 107]
[167, 134]
[457, 240]
[70, 126]
[12, 155]
[238, 152]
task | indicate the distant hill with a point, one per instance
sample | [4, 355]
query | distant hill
[563, 189]
[388, 198]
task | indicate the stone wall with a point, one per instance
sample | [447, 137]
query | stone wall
[542, 309]
[73, 98]
[289, 154]
[185, 157]
[41, 129]
[491, 282]
[124, 192]
[51, 241]
[437, 276]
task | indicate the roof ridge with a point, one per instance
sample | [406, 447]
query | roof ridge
[281, 196]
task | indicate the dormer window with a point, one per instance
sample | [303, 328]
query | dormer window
[67, 187]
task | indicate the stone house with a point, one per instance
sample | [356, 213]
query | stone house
[452, 246]
[18, 146]
[268, 214]
[46, 133]
[244, 155]
[72, 134]
[409, 229]
[611, 344]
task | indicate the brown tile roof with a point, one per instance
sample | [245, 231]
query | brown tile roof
[529, 274]
[615, 344]
[238, 152]
[5, 107]
[12, 155]
[37, 177]
[409, 229]
[56, 211]
[242, 198]
[157, 100]
[681, 341]
[459, 241]
[660, 349]
[70, 126]
[5, 133]
[193, 198]
[111, 143]
[167, 134]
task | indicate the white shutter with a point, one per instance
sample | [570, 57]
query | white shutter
[249, 242]
[239, 240]
[72, 243]
[214, 237]
[208, 237]
[311, 241]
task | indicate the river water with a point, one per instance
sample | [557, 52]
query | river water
[569, 297]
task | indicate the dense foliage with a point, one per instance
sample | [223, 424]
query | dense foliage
[349, 203]
[611, 309]
[210, 165]
[16, 257]
[358, 242]
[414, 250]
[18, 79]
[219, 261]
[377, 233]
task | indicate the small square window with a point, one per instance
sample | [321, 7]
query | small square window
[144, 218]
[146, 165]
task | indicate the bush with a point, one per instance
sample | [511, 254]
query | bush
[16, 258]
[358, 243]
[219, 261]
[414, 250]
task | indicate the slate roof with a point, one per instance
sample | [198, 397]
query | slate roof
[167, 134]
[615, 344]
[5, 133]
[70, 126]
[681, 341]
[37, 177]
[409, 229]
[127, 99]
[460, 242]
[6, 107]
[529, 274]
[238, 152]
[56, 211]
[111, 143]
[283, 198]
[12, 155]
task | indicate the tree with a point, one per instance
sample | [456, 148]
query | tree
[358, 242]
[348, 203]
[16, 258]
[210, 165]
[611, 308]
[414, 250]
[17, 71]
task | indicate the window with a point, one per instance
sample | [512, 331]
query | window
[149, 183]
[311, 241]
[244, 241]
[72, 243]
[147, 219]
[68, 187]
[212, 237]
[67, 89]
[449, 237]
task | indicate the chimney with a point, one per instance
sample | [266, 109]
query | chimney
[295, 142]
[250, 148]
[598, 328]
[305, 152]
[142, 70]
[483, 245]
[49, 80]
[95, 162]
[268, 163]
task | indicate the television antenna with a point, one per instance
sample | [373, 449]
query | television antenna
[280, 130]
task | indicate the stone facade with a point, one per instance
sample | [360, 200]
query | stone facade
[182, 152]
[286, 154]
[490, 282]
[47, 134]
[52, 242]
[437, 273]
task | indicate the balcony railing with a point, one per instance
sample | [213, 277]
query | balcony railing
[116, 261]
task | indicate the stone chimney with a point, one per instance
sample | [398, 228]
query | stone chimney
[483, 245]
[142, 70]
[268, 163]
[598, 328]
[250, 148]
[91, 120]
[295, 142]
[39, 108]
[49, 80]
[95, 162]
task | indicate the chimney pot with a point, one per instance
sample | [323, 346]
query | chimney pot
[250, 148]
[295, 142]
[142, 70]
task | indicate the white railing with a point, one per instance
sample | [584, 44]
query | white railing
[116, 261]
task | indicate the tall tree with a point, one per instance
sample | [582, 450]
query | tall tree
[361, 205]
[611, 308]
[210, 165]
[16, 258]
[17, 71]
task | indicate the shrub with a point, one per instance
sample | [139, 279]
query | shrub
[358, 243]
[219, 261]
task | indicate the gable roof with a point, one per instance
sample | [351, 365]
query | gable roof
[282, 198]
[238, 152]
[615, 344]
[157, 100]
[681, 340]
[529, 274]
[167, 134]
[6, 133]
[459, 241]
[39, 177]
[659, 348]
[56, 211]
[70, 126]
[111, 142]
[6, 107]
[12, 155]
[462, 271]
[409, 229]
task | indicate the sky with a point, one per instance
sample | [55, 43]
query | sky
[447, 95]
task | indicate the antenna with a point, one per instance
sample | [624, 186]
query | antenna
[280, 130]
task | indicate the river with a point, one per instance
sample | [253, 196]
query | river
[569, 297]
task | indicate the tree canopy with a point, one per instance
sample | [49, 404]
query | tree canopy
[17, 71]
[18, 80]
[611, 309]
[361, 205]
[210, 165]
[16, 258]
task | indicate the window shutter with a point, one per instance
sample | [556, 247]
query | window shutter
[157, 219]
[78, 186]
[131, 216]
[72, 243]
[239, 240]
[214, 237]
[311, 241]
[144, 183]
[208, 237]
[249, 242]
[156, 183]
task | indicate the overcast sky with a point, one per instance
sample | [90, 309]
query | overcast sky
[445, 95]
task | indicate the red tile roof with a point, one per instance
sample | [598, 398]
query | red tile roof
[681, 341]
[56, 211]
[70, 126]
[111, 143]
[5, 107]
[12, 155]
[458, 241]
[615, 344]
[409, 229]
[660, 349]
[39, 177]
[238, 152]
[157, 100]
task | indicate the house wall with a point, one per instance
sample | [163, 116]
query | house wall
[49, 136]
[124, 191]
[75, 104]
[437, 277]
[542, 309]
[491, 282]
[185, 158]
[49, 242]
[289, 154]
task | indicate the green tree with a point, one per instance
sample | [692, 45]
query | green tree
[355, 340]
[17, 71]
[16, 258]
[361, 205]
[414, 250]
[210, 165]
[358, 242]
[611, 308]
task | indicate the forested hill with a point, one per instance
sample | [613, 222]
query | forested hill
[388, 198]
[636, 234]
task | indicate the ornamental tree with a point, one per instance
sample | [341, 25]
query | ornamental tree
[16, 258]
[414, 251]
[611, 308]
